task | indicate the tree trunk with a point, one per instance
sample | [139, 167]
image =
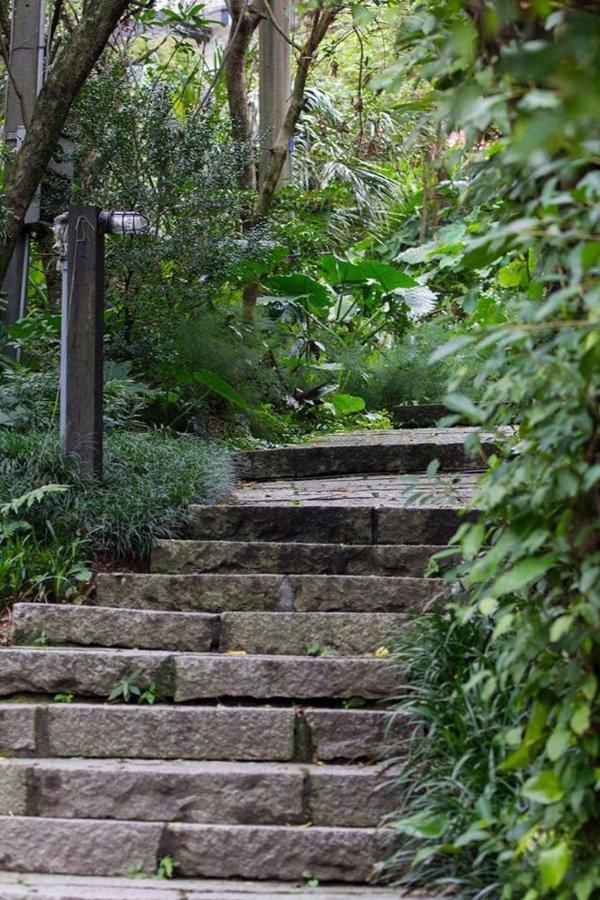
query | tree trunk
[65, 79]
[244, 21]
[320, 21]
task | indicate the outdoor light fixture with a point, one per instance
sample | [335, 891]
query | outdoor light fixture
[124, 222]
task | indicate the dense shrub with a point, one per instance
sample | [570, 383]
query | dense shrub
[150, 478]
[530, 570]
[404, 373]
[29, 400]
[451, 774]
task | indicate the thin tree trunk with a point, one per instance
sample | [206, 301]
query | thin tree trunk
[73, 65]
[244, 21]
[320, 21]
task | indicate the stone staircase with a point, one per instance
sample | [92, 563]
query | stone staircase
[253, 657]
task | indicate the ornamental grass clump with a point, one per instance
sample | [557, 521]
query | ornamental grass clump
[149, 480]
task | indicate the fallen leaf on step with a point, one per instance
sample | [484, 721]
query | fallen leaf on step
[382, 652]
[235, 653]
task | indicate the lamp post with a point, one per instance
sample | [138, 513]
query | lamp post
[80, 237]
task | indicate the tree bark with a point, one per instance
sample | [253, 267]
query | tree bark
[65, 79]
[244, 21]
[321, 19]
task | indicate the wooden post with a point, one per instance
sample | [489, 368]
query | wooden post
[27, 56]
[274, 82]
[81, 375]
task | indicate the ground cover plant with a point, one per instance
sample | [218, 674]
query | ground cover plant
[53, 523]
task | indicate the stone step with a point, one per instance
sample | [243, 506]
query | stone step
[324, 523]
[314, 633]
[104, 627]
[193, 676]
[367, 452]
[265, 593]
[26, 886]
[105, 848]
[277, 633]
[248, 557]
[242, 733]
[450, 491]
[231, 793]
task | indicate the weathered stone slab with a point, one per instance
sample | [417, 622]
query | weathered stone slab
[332, 854]
[182, 791]
[189, 593]
[357, 797]
[354, 593]
[244, 557]
[354, 733]
[255, 593]
[166, 732]
[295, 633]
[270, 677]
[416, 525]
[78, 847]
[13, 788]
[17, 728]
[106, 627]
[446, 490]
[376, 452]
[73, 887]
[326, 523]
[81, 671]
[375, 438]
[322, 524]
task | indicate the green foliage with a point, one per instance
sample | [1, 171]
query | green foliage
[134, 688]
[135, 151]
[150, 478]
[450, 781]
[36, 567]
[404, 372]
[520, 84]
[167, 867]
[29, 398]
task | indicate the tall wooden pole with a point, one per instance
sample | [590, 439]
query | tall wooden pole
[81, 374]
[274, 81]
[24, 82]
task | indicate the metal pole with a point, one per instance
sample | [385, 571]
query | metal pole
[274, 82]
[82, 352]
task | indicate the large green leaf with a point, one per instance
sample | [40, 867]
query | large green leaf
[423, 825]
[554, 864]
[342, 271]
[544, 788]
[460, 403]
[318, 296]
[219, 386]
[522, 574]
[346, 404]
